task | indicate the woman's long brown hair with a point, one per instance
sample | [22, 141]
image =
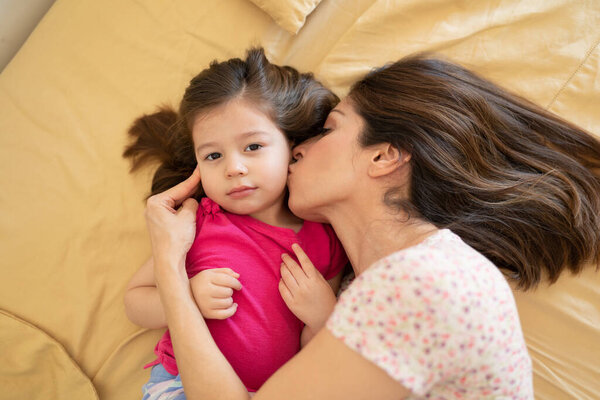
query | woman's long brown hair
[517, 183]
[296, 102]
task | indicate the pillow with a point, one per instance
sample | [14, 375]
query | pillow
[289, 14]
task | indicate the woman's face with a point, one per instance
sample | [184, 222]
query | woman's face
[327, 165]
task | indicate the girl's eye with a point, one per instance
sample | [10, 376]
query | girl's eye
[325, 131]
[253, 147]
[213, 156]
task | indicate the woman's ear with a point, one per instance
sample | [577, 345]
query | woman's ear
[386, 159]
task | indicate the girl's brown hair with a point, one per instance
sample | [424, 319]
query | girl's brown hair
[517, 183]
[296, 102]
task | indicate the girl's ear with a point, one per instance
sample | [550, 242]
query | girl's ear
[386, 159]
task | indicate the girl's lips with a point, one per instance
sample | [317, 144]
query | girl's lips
[241, 192]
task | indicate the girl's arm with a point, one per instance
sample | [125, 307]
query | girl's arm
[144, 308]
[142, 301]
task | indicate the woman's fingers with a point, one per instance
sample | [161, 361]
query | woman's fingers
[307, 265]
[288, 278]
[286, 295]
[189, 206]
[174, 196]
[293, 267]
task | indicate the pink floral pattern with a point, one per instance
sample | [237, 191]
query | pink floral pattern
[440, 319]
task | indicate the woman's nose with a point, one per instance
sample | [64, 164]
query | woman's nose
[298, 152]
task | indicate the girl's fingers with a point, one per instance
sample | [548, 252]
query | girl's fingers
[293, 266]
[288, 278]
[221, 292]
[228, 271]
[221, 304]
[226, 313]
[307, 265]
[226, 280]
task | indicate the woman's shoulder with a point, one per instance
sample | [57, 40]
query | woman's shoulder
[440, 256]
[442, 267]
[438, 303]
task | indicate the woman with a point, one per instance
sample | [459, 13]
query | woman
[431, 174]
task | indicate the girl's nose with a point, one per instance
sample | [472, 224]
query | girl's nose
[236, 168]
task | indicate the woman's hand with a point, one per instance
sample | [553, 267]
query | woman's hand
[213, 291]
[172, 228]
[305, 291]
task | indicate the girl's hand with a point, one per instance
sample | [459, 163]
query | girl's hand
[213, 291]
[305, 291]
[172, 228]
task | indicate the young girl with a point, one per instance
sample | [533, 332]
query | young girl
[237, 122]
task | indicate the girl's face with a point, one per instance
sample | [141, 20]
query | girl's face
[242, 156]
[327, 166]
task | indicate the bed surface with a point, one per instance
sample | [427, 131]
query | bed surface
[71, 218]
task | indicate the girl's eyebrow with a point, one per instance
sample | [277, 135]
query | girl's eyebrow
[245, 135]
[241, 136]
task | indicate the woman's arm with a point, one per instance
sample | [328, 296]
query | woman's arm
[325, 369]
[171, 220]
[205, 372]
[142, 301]
[328, 369]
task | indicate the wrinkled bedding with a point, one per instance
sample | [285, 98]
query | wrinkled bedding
[71, 217]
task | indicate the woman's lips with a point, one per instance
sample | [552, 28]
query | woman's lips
[241, 191]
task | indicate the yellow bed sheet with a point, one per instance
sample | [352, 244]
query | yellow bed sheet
[71, 217]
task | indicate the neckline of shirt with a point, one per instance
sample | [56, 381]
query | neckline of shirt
[268, 228]
[251, 221]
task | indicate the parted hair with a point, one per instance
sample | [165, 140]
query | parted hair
[514, 181]
[296, 102]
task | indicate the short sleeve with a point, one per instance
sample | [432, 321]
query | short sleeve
[191, 259]
[397, 321]
[338, 258]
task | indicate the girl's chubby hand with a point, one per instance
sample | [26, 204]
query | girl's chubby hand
[305, 291]
[213, 291]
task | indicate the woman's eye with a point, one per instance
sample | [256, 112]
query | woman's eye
[325, 131]
[213, 156]
[253, 147]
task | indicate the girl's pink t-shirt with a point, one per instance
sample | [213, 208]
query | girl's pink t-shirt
[263, 333]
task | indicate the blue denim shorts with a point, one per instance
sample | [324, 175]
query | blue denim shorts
[163, 386]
